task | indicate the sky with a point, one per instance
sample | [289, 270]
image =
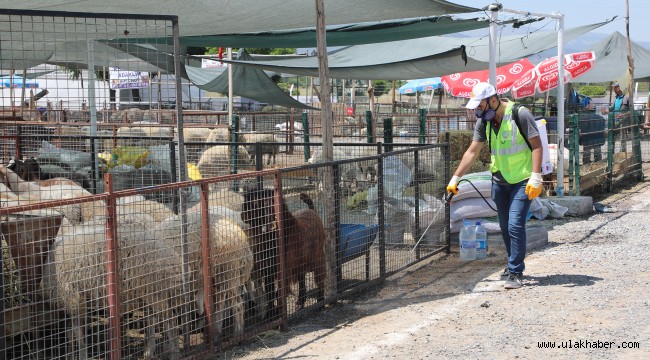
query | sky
[583, 12]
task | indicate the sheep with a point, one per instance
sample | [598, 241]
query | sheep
[138, 204]
[153, 129]
[220, 134]
[195, 135]
[257, 212]
[32, 192]
[304, 250]
[74, 277]
[223, 197]
[269, 145]
[30, 170]
[130, 136]
[231, 260]
[297, 126]
[215, 161]
[347, 172]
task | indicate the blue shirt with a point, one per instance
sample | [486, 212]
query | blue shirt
[618, 102]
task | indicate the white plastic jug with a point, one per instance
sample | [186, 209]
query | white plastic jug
[467, 241]
[481, 241]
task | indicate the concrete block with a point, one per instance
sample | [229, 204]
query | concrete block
[578, 205]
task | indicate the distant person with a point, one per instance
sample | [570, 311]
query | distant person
[620, 109]
[621, 102]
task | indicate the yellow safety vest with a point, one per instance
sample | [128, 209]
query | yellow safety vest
[512, 158]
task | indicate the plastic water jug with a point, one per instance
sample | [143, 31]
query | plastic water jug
[467, 240]
[481, 241]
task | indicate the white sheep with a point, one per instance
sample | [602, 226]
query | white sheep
[269, 145]
[220, 134]
[297, 126]
[32, 192]
[195, 135]
[348, 172]
[215, 161]
[231, 260]
[149, 274]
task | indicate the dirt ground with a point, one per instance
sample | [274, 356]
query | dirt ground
[585, 293]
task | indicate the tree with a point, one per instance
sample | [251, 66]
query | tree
[260, 51]
[381, 87]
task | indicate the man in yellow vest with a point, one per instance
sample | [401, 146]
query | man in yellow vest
[516, 160]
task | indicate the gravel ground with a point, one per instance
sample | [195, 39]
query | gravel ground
[587, 289]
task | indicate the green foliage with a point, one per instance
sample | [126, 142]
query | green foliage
[381, 87]
[260, 51]
[592, 90]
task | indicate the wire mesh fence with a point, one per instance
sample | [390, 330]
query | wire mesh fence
[126, 273]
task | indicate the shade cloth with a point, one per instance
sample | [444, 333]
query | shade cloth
[218, 17]
[611, 61]
[421, 58]
[250, 83]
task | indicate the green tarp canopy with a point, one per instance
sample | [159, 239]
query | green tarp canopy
[251, 83]
[611, 61]
[223, 17]
[420, 58]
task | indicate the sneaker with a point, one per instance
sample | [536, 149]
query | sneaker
[514, 281]
[505, 273]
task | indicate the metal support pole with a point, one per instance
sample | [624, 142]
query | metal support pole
[388, 133]
[423, 125]
[369, 125]
[305, 127]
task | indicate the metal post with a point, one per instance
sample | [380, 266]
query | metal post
[182, 173]
[416, 165]
[337, 228]
[380, 217]
[369, 124]
[560, 108]
[447, 153]
[282, 275]
[423, 126]
[93, 108]
[93, 166]
[112, 280]
[388, 133]
[172, 162]
[305, 127]
[610, 151]
[494, 16]
[207, 277]
[234, 144]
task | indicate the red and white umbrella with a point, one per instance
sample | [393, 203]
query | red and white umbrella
[545, 76]
[461, 84]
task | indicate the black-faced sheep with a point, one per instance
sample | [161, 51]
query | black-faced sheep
[30, 170]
